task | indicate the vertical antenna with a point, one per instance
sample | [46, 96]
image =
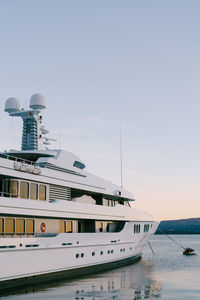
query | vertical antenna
[59, 141]
[121, 163]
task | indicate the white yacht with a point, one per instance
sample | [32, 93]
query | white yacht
[56, 219]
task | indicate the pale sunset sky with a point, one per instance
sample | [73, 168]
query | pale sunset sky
[97, 62]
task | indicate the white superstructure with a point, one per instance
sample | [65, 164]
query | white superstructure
[55, 217]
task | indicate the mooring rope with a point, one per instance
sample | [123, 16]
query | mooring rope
[169, 237]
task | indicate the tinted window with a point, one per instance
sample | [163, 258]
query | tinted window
[24, 190]
[9, 225]
[29, 226]
[42, 192]
[0, 187]
[62, 226]
[20, 226]
[33, 191]
[68, 226]
[1, 225]
[79, 165]
[11, 188]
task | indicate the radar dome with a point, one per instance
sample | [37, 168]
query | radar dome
[37, 101]
[12, 105]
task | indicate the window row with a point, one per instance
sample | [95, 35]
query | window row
[68, 226]
[11, 226]
[23, 189]
[111, 202]
[136, 228]
[101, 252]
[146, 227]
[93, 253]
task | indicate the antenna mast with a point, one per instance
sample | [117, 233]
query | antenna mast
[33, 132]
[121, 162]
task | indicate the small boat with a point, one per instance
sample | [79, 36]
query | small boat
[189, 251]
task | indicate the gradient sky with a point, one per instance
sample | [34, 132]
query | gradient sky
[99, 61]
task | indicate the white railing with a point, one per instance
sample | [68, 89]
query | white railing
[18, 159]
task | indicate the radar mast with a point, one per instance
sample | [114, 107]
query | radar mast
[33, 132]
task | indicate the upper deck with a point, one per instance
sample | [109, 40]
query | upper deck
[37, 173]
[59, 168]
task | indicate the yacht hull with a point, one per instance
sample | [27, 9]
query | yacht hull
[65, 274]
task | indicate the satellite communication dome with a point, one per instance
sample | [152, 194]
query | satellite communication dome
[12, 105]
[37, 101]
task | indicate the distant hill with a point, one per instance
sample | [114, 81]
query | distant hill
[183, 226]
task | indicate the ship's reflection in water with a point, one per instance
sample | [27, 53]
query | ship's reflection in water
[134, 282]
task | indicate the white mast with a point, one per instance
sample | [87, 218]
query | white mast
[121, 162]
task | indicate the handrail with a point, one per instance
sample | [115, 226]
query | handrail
[15, 158]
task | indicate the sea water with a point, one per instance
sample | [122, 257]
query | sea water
[167, 274]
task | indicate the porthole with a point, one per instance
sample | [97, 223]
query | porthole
[112, 251]
[77, 255]
[82, 254]
[101, 253]
[93, 253]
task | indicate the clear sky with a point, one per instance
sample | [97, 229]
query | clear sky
[99, 61]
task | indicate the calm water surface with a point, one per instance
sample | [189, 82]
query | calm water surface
[166, 275]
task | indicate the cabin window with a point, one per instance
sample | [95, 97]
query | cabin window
[29, 226]
[146, 227]
[1, 226]
[11, 188]
[137, 228]
[7, 188]
[68, 226]
[1, 187]
[20, 226]
[65, 226]
[42, 192]
[78, 164]
[108, 227]
[9, 226]
[62, 226]
[33, 191]
[24, 190]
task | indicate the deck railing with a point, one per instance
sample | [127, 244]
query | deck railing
[18, 159]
